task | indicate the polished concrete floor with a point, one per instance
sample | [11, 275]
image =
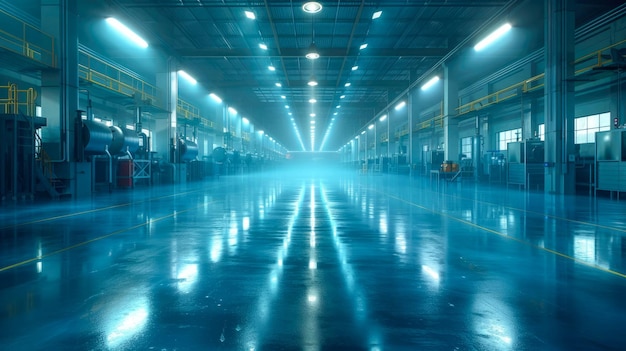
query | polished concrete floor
[297, 262]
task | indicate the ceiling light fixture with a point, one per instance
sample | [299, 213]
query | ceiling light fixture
[347, 84]
[312, 82]
[312, 101]
[312, 7]
[278, 85]
[371, 126]
[363, 46]
[342, 96]
[250, 15]
[492, 37]
[354, 68]
[400, 105]
[312, 115]
[127, 32]
[312, 53]
[263, 46]
[215, 98]
[384, 117]
[188, 77]
[377, 14]
[232, 110]
[271, 68]
[283, 97]
[430, 83]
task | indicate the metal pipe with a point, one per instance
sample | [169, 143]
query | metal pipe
[106, 150]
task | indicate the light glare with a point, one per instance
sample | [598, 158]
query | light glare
[492, 37]
[189, 78]
[127, 32]
[430, 83]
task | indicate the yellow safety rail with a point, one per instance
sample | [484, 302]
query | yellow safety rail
[18, 101]
[499, 96]
[245, 136]
[187, 111]
[436, 121]
[207, 123]
[101, 73]
[24, 39]
[595, 59]
[583, 64]
[401, 133]
[384, 137]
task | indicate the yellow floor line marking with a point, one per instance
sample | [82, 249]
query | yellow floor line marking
[49, 219]
[591, 265]
[533, 212]
[15, 265]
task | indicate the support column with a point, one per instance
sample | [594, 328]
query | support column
[59, 88]
[450, 125]
[559, 93]
[166, 129]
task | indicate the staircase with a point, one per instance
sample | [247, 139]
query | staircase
[47, 181]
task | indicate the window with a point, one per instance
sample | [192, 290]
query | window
[542, 132]
[466, 147]
[508, 136]
[585, 128]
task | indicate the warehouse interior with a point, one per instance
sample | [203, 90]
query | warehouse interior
[179, 146]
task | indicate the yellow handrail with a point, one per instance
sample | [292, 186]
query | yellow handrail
[524, 86]
[19, 99]
[436, 121]
[101, 73]
[24, 39]
[596, 59]
[187, 110]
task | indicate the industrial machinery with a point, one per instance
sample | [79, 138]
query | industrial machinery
[525, 162]
[585, 167]
[111, 150]
[611, 160]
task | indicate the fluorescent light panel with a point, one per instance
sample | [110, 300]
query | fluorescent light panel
[430, 83]
[189, 78]
[127, 32]
[250, 15]
[215, 98]
[263, 46]
[382, 118]
[377, 14]
[492, 37]
[363, 46]
[400, 105]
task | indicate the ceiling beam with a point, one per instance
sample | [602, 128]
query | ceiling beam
[300, 52]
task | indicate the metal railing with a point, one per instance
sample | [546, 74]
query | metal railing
[595, 59]
[187, 111]
[501, 95]
[18, 101]
[436, 121]
[24, 39]
[583, 64]
[104, 74]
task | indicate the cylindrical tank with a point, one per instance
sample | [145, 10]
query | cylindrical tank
[123, 139]
[188, 150]
[96, 137]
[131, 141]
[118, 140]
[219, 154]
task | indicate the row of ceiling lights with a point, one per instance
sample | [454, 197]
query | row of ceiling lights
[312, 53]
[499, 32]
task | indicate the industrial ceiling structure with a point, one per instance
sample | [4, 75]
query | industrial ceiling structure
[253, 54]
